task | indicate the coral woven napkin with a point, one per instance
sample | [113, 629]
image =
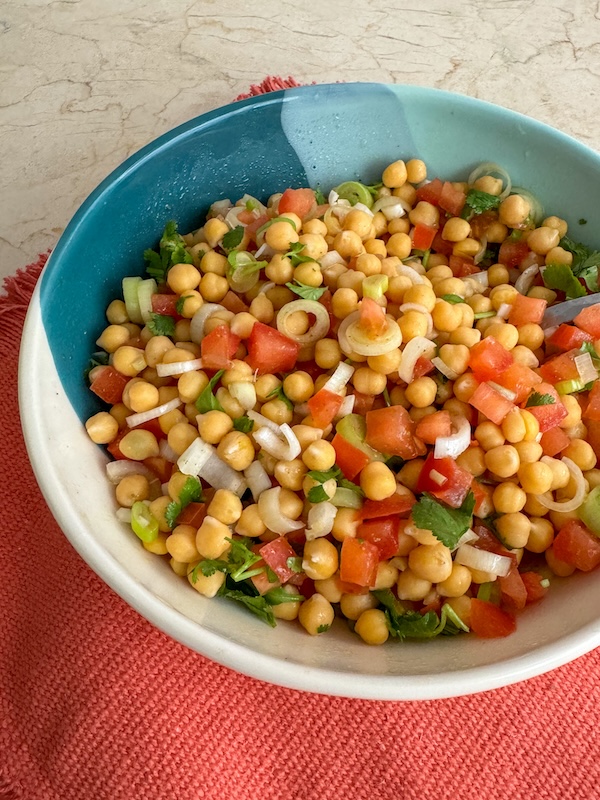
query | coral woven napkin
[96, 704]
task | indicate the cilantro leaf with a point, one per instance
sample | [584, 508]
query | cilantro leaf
[319, 196]
[562, 278]
[447, 524]
[99, 359]
[171, 250]
[242, 559]
[206, 400]
[307, 292]
[243, 424]
[294, 563]
[191, 492]
[317, 494]
[279, 595]
[537, 399]
[477, 202]
[255, 603]
[279, 394]
[323, 628]
[404, 624]
[233, 238]
[337, 474]
[161, 325]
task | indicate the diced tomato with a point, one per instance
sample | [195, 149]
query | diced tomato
[453, 489]
[152, 425]
[109, 385]
[371, 317]
[431, 192]
[568, 337]
[554, 441]
[593, 435]
[165, 304]
[271, 351]
[423, 366]
[462, 266]
[398, 504]
[552, 414]
[362, 403]
[297, 201]
[452, 200]
[593, 406]
[234, 303]
[519, 379]
[423, 236]
[383, 533]
[488, 541]
[512, 253]
[575, 544]
[482, 494]
[433, 426]
[589, 320]
[349, 459]
[358, 562]
[276, 555]
[162, 468]
[490, 622]
[533, 586]
[193, 514]
[560, 368]
[253, 227]
[218, 348]
[491, 403]
[324, 405]
[390, 430]
[512, 588]
[440, 245]
[488, 359]
[526, 309]
[113, 448]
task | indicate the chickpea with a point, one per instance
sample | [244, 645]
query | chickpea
[513, 426]
[581, 453]
[367, 381]
[514, 210]
[377, 481]
[291, 608]
[102, 427]
[181, 544]
[558, 255]
[456, 230]
[409, 474]
[431, 562]
[129, 360]
[158, 508]
[183, 278]
[473, 461]
[290, 474]
[353, 605]
[309, 273]
[531, 335]
[372, 627]
[543, 239]
[225, 506]
[207, 586]
[112, 337]
[424, 213]
[574, 412]
[131, 489]
[237, 450]
[344, 302]
[411, 587]
[395, 175]
[320, 559]
[421, 392]
[541, 535]
[387, 575]
[446, 316]
[400, 245]
[457, 583]
[116, 313]
[514, 529]
[316, 614]
[503, 461]
[412, 324]
[385, 364]
[348, 244]
[535, 477]
[416, 170]
[138, 445]
[250, 522]
[489, 184]
[455, 356]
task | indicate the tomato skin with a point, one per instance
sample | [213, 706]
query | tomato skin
[457, 485]
[253, 227]
[423, 236]
[491, 403]
[165, 304]
[519, 379]
[512, 588]
[390, 431]
[193, 514]
[323, 406]
[109, 385]
[554, 441]
[440, 245]
[271, 351]
[276, 555]
[218, 348]
[551, 415]
[512, 253]
[349, 459]
[482, 494]
[593, 435]
[533, 586]
[232, 302]
[431, 192]
[575, 544]
[568, 337]
[362, 403]
[383, 533]
[526, 309]
[488, 359]
[423, 366]
[434, 426]
[371, 316]
[490, 622]
[589, 320]
[398, 505]
[462, 266]
[297, 201]
[358, 562]
[162, 468]
[560, 368]
[452, 200]
[592, 412]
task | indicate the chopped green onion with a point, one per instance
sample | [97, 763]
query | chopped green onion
[589, 512]
[485, 314]
[355, 192]
[273, 221]
[570, 387]
[143, 523]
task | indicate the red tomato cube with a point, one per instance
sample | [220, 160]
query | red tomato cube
[488, 359]
[575, 544]
[271, 351]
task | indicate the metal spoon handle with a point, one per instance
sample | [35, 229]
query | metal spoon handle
[565, 312]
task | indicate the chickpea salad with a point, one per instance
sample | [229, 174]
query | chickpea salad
[351, 406]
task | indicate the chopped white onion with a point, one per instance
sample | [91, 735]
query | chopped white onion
[510, 395]
[504, 310]
[219, 208]
[260, 421]
[577, 499]
[438, 478]
[347, 406]
[121, 468]
[414, 349]
[191, 461]
[244, 392]
[331, 258]
[270, 512]
[257, 478]
[144, 416]
[353, 339]
[410, 272]
[491, 168]
[317, 331]
[391, 207]
[232, 217]
[166, 451]
[478, 257]
[482, 278]
[457, 442]
[336, 382]
[468, 536]
[178, 367]
[266, 287]
[585, 367]
[264, 250]
[442, 367]
[272, 442]
[362, 207]
[483, 560]
[333, 197]
[525, 280]
[199, 320]
[320, 520]
[123, 514]
[221, 476]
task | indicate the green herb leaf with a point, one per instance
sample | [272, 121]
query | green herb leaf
[403, 624]
[317, 494]
[307, 292]
[484, 314]
[274, 220]
[254, 603]
[323, 628]
[322, 477]
[447, 524]
[243, 424]
[279, 394]
[232, 238]
[161, 325]
[171, 250]
[191, 492]
[477, 202]
[320, 197]
[453, 298]
[279, 595]
[242, 559]
[562, 278]
[180, 303]
[99, 359]
[208, 567]
[206, 400]
[537, 399]
[294, 563]
[336, 474]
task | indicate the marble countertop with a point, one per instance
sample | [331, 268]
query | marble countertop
[88, 82]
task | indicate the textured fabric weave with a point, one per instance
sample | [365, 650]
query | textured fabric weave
[96, 704]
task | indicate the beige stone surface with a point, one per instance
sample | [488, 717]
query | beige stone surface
[85, 83]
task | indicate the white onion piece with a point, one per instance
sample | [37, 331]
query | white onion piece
[391, 207]
[266, 287]
[244, 392]
[320, 520]
[273, 444]
[585, 367]
[353, 340]
[504, 310]
[525, 280]
[410, 272]
[191, 461]
[442, 367]
[362, 207]
[456, 443]
[261, 421]
[478, 257]
[199, 320]
[510, 395]
[221, 476]
[219, 208]
[264, 250]
[491, 168]
[333, 197]
[483, 560]
[577, 499]
[482, 278]
[144, 416]
[178, 367]
[123, 514]
[257, 478]
[331, 258]
[347, 406]
[117, 470]
[414, 349]
[166, 451]
[232, 217]
[468, 536]
[271, 514]
[336, 382]
[317, 331]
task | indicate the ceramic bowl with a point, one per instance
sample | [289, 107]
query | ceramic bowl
[317, 135]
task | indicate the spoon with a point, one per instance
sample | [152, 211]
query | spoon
[565, 312]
